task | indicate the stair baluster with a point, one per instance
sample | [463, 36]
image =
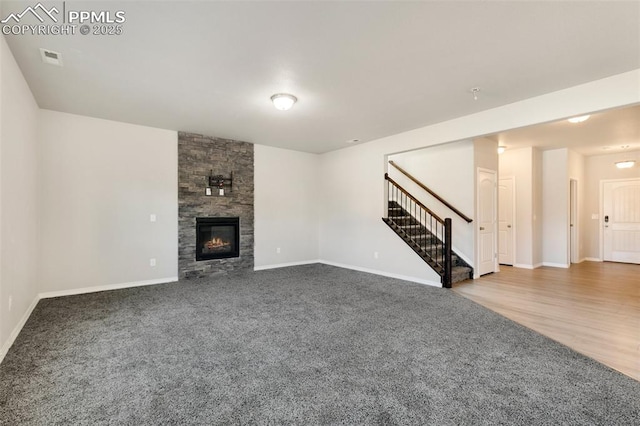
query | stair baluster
[424, 231]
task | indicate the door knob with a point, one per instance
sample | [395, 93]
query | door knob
[482, 228]
[508, 226]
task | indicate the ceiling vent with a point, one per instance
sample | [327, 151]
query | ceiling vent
[51, 57]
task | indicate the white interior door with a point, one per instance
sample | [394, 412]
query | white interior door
[506, 222]
[621, 221]
[487, 221]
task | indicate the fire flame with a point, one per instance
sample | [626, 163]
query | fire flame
[215, 243]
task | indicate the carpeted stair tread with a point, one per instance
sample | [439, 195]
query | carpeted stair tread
[425, 244]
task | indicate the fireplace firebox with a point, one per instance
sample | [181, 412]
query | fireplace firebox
[217, 237]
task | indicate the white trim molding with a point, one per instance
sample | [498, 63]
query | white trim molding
[556, 265]
[382, 273]
[84, 290]
[353, 268]
[285, 265]
[593, 259]
[71, 292]
[16, 331]
[523, 266]
[528, 266]
[14, 334]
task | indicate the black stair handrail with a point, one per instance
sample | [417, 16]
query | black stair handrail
[408, 194]
[436, 196]
[419, 217]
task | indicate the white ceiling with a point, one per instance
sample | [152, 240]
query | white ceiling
[361, 70]
[606, 132]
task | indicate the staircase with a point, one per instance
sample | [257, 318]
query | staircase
[426, 233]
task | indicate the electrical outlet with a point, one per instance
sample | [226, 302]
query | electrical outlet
[152, 217]
[10, 303]
[278, 250]
[152, 262]
[375, 254]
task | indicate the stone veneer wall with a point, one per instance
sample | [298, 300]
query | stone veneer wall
[197, 156]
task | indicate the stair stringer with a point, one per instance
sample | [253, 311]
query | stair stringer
[461, 270]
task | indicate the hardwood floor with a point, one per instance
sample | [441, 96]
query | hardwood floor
[592, 307]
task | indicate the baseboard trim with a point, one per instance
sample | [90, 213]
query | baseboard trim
[556, 265]
[72, 292]
[463, 257]
[285, 265]
[382, 273]
[85, 290]
[523, 266]
[18, 328]
[593, 259]
[16, 331]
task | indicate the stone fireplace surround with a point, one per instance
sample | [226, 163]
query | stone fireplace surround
[198, 155]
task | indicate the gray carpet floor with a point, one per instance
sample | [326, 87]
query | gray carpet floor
[303, 345]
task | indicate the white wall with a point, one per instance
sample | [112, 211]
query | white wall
[519, 164]
[537, 204]
[555, 208]
[448, 170]
[93, 184]
[485, 152]
[19, 203]
[598, 168]
[351, 228]
[100, 182]
[352, 183]
[576, 172]
[286, 207]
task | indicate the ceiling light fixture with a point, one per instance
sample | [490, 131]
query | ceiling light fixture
[578, 119]
[501, 149]
[625, 164]
[283, 101]
[474, 92]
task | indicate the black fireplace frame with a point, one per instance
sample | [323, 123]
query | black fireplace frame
[217, 221]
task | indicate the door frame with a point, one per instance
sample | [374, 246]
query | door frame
[514, 194]
[601, 210]
[574, 222]
[496, 267]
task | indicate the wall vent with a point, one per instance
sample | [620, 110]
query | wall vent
[51, 57]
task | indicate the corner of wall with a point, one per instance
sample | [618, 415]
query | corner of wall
[18, 327]
[19, 201]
